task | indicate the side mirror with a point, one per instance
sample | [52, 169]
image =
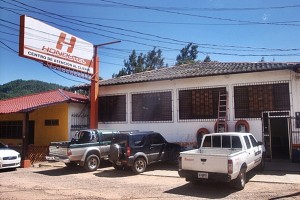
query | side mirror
[260, 143]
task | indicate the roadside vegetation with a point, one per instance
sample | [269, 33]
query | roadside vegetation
[20, 87]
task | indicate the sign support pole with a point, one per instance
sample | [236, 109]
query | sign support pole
[94, 91]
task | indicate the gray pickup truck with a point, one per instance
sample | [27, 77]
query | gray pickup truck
[86, 149]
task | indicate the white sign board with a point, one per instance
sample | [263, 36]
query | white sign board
[39, 41]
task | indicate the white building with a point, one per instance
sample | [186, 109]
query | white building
[182, 102]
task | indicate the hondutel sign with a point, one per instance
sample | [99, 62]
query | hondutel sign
[41, 42]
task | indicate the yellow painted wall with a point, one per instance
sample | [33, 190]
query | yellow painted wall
[43, 135]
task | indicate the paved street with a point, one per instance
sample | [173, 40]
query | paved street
[160, 181]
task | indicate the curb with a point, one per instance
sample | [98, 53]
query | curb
[49, 164]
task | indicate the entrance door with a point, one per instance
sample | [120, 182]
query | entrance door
[279, 138]
[31, 132]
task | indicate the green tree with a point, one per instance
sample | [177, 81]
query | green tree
[207, 59]
[154, 60]
[135, 64]
[188, 54]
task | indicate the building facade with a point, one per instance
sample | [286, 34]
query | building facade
[183, 102]
[52, 116]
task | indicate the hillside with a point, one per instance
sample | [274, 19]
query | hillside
[20, 87]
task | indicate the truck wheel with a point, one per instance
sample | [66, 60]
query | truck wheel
[91, 163]
[240, 181]
[174, 157]
[139, 166]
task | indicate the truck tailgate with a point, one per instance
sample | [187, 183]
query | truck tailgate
[195, 161]
[58, 148]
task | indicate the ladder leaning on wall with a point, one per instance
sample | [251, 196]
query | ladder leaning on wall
[222, 113]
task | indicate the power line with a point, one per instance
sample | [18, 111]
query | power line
[228, 54]
[84, 24]
[120, 29]
[209, 45]
[175, 8]
[64, 76]
[42, 64]
[166, 22]
[8, 47]
[194, 15]
[183, 42]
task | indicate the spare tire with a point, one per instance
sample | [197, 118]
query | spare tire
[114, 152]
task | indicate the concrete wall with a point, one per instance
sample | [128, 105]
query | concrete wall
[75, 108]
[179, 131]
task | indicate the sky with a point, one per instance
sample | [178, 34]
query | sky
[227, 31]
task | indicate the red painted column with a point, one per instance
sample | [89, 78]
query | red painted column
[94, 92]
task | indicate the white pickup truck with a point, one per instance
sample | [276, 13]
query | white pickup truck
[223, 157]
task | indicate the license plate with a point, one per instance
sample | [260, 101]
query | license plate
[202, 175]
[50, 158]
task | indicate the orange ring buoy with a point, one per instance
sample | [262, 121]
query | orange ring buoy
[240, 123]
[199, 135]
[225, 129]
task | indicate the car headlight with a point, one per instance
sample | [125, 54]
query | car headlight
[19, 155]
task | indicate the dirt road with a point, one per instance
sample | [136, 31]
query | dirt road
[109, 184]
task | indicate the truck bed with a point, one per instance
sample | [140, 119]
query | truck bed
[59, 148]
[208, 159]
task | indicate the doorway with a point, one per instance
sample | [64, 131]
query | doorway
[279, 138]
[31, 132]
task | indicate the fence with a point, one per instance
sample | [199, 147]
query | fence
[34, 153]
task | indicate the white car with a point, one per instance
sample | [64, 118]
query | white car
[9, 158]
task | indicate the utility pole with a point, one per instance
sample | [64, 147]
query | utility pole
[94, 91]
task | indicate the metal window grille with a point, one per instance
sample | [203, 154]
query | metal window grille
[11, 129]
[199, 103]
[79, 121]
[112, 108]
[51, 122]
[155, 106]
[251, 100]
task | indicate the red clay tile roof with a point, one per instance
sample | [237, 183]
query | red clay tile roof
[35, 101]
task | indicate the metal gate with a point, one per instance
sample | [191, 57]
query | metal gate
[295, 132]
[277, 134]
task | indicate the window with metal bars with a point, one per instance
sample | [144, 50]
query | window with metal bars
[51, 122]
[112, 108]
[155, 106]
[251, 100]
[11, 129]
[199, 103]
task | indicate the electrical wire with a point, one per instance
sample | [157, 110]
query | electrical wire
[174, 8]
[194, 15]
[216, 46]
[182, 42]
